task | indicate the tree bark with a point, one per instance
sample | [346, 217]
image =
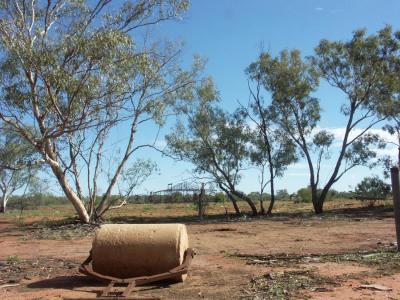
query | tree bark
[271, 205]
[398, 157]
[3, 203]
[70, 194]
[248, 200]
[262, 210]
[317, 200]
[271, 172]
[51, 158]
[234, 203]
[272, 192]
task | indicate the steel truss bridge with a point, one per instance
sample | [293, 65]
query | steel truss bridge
[185, 187]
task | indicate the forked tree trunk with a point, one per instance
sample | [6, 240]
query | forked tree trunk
[70, 194]
[262, 210]
[248, 200]
[234, 203]
[271, 205]
[318, 207]
[318, 201]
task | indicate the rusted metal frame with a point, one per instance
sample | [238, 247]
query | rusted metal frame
[110, 293]
[86, 268]
[108, 290]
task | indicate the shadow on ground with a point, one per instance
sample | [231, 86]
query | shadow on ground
[65, 282]
[86, 284]
[378, 212]
[351, 213]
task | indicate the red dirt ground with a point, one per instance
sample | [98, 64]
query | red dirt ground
[215, 273]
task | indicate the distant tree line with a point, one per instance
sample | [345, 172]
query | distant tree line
[370, 188]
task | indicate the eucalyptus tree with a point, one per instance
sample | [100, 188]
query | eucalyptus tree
[389, 106]
[373, 188]
[215, 142]
[74, 71]
[18, 164]
[355, 67]
[272, 151]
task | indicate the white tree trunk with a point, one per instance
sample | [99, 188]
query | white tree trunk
[70, 194]
[3, 203]
[51, 159]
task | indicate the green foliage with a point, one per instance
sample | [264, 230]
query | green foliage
[304, 194]
[72, 71]
[255, 196]
[13, 260]
[388, 105]
[214, 141]
[282, 194]
[359, 68]
[220, 198]
[272, 150]
[373, 188]
[290, 81]
[17, 164]
[136, 174]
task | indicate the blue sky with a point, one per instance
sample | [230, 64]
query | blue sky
[231, 33]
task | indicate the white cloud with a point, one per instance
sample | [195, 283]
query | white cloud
[340, 131]
[304, 166]
[318, 8]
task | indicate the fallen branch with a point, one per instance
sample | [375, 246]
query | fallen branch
[8, 285]
[375, 287]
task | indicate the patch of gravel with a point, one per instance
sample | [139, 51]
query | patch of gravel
[60, 232]
[14, 269]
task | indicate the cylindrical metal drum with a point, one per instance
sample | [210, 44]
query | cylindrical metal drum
[132, 250]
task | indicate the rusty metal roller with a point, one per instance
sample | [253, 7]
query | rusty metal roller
[132, 250]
